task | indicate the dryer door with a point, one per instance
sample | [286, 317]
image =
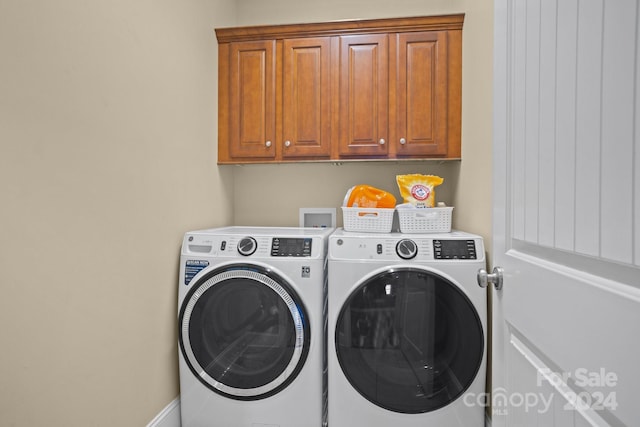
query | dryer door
[409, 340]
[244, 332]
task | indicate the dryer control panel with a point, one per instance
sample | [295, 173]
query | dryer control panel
[455, 246]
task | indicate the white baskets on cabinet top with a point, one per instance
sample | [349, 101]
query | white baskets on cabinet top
[372, 220]
[426, 220]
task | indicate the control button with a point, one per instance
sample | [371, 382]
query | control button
[437, 249]
[223, 245]
[247, 246]
[471, 249]
[406, 249]
[379, 248]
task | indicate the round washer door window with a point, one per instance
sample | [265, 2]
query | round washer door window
[244, 332]
[409, 340]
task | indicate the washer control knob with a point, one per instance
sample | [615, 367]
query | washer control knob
[406, 249]
[247, 246]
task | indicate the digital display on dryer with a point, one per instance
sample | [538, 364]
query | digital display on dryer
[454, 249]
[291, 247]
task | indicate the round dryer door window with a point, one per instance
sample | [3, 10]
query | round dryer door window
[409, 340]
[244, 332]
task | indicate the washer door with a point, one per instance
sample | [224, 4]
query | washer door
[244, 332]
[409, 340]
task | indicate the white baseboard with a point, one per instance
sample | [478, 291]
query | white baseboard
[169, 416]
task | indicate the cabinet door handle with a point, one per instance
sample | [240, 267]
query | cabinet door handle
[267, 144]
[382, 141]
[403, 141]
[287, 143]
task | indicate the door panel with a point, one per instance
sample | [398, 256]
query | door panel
[364, 97]
[421, 87]
[252, 96]
[409, 341]
[243, 331]
[566, 213]
[306, 98]
[574, 113]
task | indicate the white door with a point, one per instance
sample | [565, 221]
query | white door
[566, 324]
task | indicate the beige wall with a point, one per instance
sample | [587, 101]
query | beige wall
[272, 194]
[107, 156]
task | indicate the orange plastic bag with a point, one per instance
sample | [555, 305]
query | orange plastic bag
[366, 196]
[419, 190]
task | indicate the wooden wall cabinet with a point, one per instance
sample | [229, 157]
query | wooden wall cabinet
[347, 90]
[363, 117]
[421, 96]
[306, 93]
[252, 100]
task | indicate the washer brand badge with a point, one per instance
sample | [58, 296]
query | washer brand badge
[306, 271]
[420, 192]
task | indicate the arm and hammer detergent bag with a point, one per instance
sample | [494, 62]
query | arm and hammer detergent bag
[419, 190]
[365, 196]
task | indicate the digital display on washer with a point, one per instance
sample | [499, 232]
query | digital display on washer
[291, 247]
[454, 249]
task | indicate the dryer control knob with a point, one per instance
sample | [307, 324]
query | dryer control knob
[247, 246]
[406, 249]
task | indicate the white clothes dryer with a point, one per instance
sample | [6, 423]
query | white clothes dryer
[251, 328]
[406, 330]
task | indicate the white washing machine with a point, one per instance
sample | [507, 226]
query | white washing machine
[251, 327]
[406, 330]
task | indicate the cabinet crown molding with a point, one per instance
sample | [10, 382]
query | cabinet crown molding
[334, 28]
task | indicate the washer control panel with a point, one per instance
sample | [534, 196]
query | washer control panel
[263, 243]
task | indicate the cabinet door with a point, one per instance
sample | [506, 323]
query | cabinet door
[364, 87]
[421, 94]
[306, 119]
[252, 99]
